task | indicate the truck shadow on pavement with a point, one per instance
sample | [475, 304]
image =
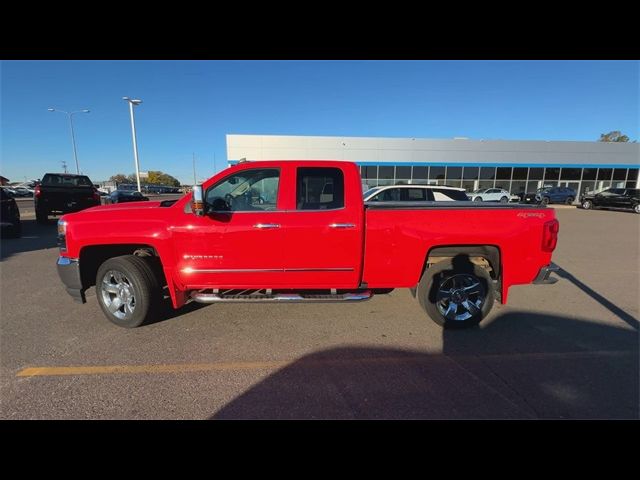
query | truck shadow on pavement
[35, 236]
[519, 365]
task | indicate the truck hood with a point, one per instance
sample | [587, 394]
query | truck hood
[127, 208]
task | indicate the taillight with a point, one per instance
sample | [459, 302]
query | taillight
[550, 235]
[36, 191]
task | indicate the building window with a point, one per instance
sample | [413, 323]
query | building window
[487, 173]
[468, 184]
[504, 184]
[570, 174]
[503, 173]
[386, 173]
[620, 174]
[532, 186]
[551, 174]
[633, 174]
[536, 173]
[482, 184]
[587, 186]
[605, 174]
[470, 173]
[370, 172]
[589, 173]
[403, 173]
[454, 173]
[420, 173]
[520, 173]
[518, 186]
[436, 173]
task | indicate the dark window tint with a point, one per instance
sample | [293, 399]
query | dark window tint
[503, 173]
[319, 189]
[520, 173]
[369, 172]
[454, 173]
[605, 173]
[589, 173]
[386, 173]
[551, 173]
[389, 195]
[450, 194]
[54, 180]
[632, 192]
[403, 173]
[436, 173]
[536, 173]
[470, 173]
[420, 173]
[633, 174]
[414, 194]
[570, 173]
[488, 173]
[620, 174]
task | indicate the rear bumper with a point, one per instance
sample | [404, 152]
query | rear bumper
[544, 277]
[69, 272]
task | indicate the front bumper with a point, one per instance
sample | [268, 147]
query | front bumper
[543, 277]
[69, 272]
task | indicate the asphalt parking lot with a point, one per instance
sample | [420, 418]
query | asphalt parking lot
[568, 350]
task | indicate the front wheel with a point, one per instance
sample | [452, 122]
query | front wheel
[587, 204]
[569, 200]
[477, 199]
[128, 291]
[504, 200]
[636, 208]
[546, 200]
[456, 294]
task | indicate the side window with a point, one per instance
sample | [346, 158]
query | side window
[415, 194]
[390, 195]
[320, 189]
[245, 191]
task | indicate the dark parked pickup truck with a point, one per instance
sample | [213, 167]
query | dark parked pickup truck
[63, 193]
[618, 198]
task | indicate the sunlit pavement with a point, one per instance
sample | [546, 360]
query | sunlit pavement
[568, 350]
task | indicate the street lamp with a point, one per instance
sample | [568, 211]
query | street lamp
[73, 137]
[132, 102]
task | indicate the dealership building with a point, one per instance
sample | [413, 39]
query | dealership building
[517, 166]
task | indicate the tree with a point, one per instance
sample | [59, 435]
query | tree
[615, 136]
[119, 178]
[161, 178]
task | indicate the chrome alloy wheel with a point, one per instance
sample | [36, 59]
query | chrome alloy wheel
[460, 297]
[117, 294]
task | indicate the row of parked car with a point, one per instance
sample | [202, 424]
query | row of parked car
[616, 198]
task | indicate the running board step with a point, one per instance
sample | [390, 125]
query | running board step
[201, 297]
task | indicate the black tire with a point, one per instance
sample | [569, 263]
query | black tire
[569, 200]
[442, 274]
[636, 208]
[143, 284]
[41, 216]
[587, 204]
[477, 199]
[504, 200]
[545, 201]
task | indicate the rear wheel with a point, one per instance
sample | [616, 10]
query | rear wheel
[546, 201]
[128, 291]
[477, 199]
[636, 208]
[456, 294]
[569, 200]
[504, 200]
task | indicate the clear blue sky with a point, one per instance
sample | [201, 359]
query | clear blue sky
[189, 106]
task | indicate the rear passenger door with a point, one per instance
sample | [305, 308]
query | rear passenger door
[323, 235]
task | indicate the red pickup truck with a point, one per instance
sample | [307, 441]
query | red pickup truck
[299, 231]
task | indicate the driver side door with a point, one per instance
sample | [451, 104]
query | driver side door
[238, 243]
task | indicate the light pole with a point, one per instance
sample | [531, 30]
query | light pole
[132, 102]
[73, 137]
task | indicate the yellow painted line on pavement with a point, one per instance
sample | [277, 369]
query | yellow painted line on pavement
[116, 369]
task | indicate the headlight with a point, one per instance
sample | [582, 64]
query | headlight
[62, 235]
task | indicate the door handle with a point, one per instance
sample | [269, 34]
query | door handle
[342, 225]
[266, 225]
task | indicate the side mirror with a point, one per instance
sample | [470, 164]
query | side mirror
[197, 203]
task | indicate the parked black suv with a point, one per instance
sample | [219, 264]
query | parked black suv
[9, 215]
[64, 193]
[622, 198]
